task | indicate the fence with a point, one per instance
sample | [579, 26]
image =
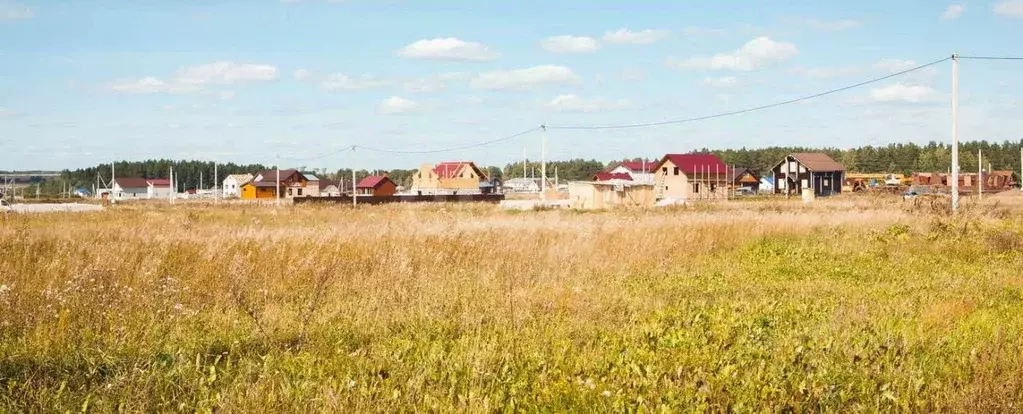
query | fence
[446, 198]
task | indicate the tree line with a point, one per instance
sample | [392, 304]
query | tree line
[892, 158]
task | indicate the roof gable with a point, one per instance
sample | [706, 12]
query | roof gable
[637, 166]
[373, 181]
[816, 161]
[695, 163]
[453, 169]
[608, 176]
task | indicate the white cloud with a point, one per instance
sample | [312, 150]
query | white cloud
[625, 36]
[723, 82]
[833, 25]
[901, 92]
[341, 81]
[425, 85]
[573, 103]
[525, 79]
[752, 55]
[631, 75]
[1009, 8]
[448, 48]
[952, 12]
[570, 44]
[697, 31]
[301, 74]
[397, 105]
[150, 85]
[225, 72]
[828, 72]
[15, 11]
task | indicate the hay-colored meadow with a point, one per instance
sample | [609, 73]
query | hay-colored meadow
[843, 306]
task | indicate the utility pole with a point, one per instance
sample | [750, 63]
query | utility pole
[216, 183]
[355, 200]
[278, 190]
[1021, 167]
[543, 164]
[170, 195]
[980, 175]
[955, 132]
[113, 180]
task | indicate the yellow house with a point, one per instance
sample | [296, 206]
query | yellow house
[459, 177]
[607, 194]
[691, 177]
[265, 185]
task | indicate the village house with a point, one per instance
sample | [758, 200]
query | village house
[816, 171]
[614, 192]
[329, 188]
[640, 171]
[265, 185]
[691, 177]
[521, 185]
[460, 177]
[376, 185]
[140, 188]
[312, 188]
[609, 176]
[743, 180]
[232, 185]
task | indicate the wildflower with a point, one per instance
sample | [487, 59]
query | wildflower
[178, 307]
[606, 394]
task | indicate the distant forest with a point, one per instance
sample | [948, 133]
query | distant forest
[893, 158]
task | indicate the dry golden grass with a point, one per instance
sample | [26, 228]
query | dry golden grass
[852, 304]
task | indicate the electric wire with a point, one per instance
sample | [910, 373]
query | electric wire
[753, 109]
[457, 148]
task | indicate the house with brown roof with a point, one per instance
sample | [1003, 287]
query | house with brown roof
[808, 170]
[743, 180]
[685, 177]
[453, 177]
[376, 185]
[140, 188]
[329, 188]
[266, 184]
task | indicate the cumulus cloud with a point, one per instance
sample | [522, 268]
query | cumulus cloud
[525, 79]
[627, 37]
[224, 72]
[196, 78]
[151, 85]
[952, 12]
[834, 25]
[901, 92]
[722, 82]
[301, 74]
[697, 31]
[448, 48]
[397, 105]
[752, 55]
[1009, 8]
[828, 72]
[570, 44]
[341, 81]
[15, 11]
[573, 103]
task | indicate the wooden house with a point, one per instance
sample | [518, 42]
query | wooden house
[267, 185]
[808, 170]
[457, 177]
[376, 185]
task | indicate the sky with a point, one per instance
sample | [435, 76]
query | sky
[299, 81]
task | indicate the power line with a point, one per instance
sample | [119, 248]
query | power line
[464, 147]
[756, 108]
[990, 57]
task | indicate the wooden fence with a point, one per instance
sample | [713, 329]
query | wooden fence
[461, 198]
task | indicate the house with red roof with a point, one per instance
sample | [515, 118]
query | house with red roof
[685, 177]
[609, 176]
[640, 171]
[451, 177]
[376, 185]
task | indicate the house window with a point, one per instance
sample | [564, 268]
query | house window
[712, 187]
[665, 188]
[289, 192]
[825, 182]
[696, 187]
[676, 170]
[664, 170]
[805, 183]
[299, 191]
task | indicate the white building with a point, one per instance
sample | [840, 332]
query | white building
[522, 185]
[642, 172]
[233, 184]
[140, 188]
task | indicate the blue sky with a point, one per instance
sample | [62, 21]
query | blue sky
[89, 81]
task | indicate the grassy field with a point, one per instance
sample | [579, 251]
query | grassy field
[849, 305]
